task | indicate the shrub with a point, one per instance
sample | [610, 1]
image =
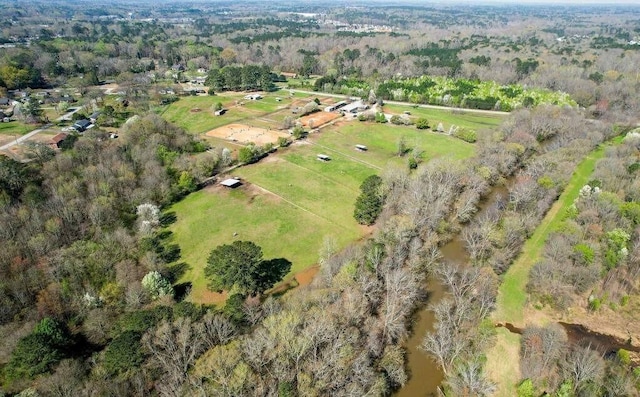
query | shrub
[298, 132]
[380, 118]
[422, 123]
[283, 142]
[466, 135]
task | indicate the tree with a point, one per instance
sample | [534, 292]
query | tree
[123, 353]
[39, 351]
[240, 265]
[369, 202]
[31, 111]
[156, 285]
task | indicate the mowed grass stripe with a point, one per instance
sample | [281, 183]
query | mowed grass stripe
[512, 295]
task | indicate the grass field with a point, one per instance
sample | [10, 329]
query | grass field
[290, 201]
[15, 128]
[251, 112]
[512, 294]
[448, 117]
[209, 218]
[382, 142]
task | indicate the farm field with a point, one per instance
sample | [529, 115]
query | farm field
[474, 121]
[382, 142]
[290, 201]
[195, 113]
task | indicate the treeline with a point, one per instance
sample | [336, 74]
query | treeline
[458, 92]
[241, 78]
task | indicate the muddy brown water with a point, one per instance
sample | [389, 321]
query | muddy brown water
[424, 374]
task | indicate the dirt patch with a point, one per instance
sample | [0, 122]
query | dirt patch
[318, 119]
[245, 134]
[210, 298]
[305, 277]
[195, 110]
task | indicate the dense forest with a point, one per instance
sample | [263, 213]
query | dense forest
[90, 297]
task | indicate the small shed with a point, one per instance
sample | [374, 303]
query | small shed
[231, 183]
[361, 148]
[323, 157]
[220, 112]
[56, 141]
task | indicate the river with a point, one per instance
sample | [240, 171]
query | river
[424, 374]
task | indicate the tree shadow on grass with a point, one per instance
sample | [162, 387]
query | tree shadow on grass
[177, 270]
[168, 218]
[181, 291]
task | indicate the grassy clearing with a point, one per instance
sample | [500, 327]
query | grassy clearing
[16, 128]
[209, 218]
[382, 142]
[512, 295]
[473, 121]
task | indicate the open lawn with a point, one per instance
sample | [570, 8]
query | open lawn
[512, 294]
[382, 142]
[210, 217]
[16, 128]
[473, 121]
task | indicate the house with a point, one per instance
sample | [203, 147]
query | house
[231, 183]
[289, 75]
[94, 117]
[361, 148]
[323, 157]
[5, 102]
[253, 97]
[81, 125]
[56, 141]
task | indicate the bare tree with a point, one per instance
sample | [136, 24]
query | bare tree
[174, 347]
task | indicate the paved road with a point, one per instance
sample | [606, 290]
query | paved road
[66, 116]
[462, 110]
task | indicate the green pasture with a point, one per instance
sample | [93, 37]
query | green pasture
[208, 218]
[16, 128]
[382, 142]
[250, 112]
[475, 121]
